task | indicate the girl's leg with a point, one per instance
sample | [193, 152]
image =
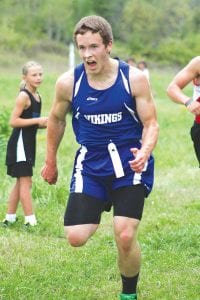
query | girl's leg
[13, 199]
[26, 200]
[25, 195]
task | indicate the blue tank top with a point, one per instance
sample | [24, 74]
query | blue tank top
[101, 116]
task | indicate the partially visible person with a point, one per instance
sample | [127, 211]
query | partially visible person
[114, 120]
[189, 74]
[131, 61]
[142, 65]
[21, 148]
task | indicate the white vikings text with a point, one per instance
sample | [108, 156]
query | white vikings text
[104, 118]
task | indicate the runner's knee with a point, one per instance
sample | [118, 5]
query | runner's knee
[75, 238]
[126, 233]
[78, 235]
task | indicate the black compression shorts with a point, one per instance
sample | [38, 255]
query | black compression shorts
[126, 201]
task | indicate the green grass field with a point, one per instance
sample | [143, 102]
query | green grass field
[39, 264]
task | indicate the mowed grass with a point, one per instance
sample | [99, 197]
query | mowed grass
[39, 264]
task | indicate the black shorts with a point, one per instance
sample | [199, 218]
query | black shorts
[195, 135]
[126, 201]
[20, 169]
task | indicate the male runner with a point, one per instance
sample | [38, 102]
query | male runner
[114, 121]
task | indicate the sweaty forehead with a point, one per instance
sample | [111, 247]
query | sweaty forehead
[88, 38]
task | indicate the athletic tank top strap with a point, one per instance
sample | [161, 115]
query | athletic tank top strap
[78, 70]
[78, 74]
[124, 67]
[33, 111]
[32, 98]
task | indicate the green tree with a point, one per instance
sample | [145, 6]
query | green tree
[150, 28]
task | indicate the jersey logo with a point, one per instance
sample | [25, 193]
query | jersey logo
[104, 118]
[91, 99]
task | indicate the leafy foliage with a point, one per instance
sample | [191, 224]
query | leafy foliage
[153, 29]
[4, 127]
[4, 130]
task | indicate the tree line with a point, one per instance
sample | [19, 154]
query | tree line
[158, 30]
